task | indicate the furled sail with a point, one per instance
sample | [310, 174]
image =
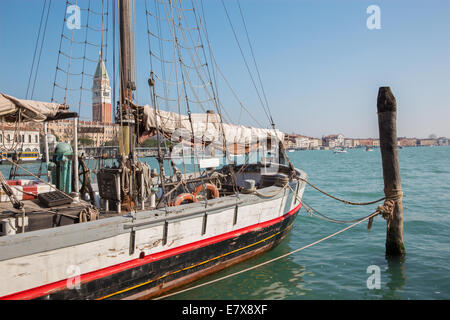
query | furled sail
[203, 127]
[29, 110]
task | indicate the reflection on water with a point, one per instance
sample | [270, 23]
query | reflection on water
[267, 282]
[397, 277]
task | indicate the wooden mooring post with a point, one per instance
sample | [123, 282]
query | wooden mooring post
[387, 124]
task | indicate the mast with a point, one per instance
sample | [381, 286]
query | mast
[127, 84]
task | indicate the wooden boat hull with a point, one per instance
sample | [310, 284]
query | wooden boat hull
[161, 274]
[143, 257]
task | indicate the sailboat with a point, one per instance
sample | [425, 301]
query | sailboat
[158, 228]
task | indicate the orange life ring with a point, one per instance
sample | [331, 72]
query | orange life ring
[209, 186]
[184, 197]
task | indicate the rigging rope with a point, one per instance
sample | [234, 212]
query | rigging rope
[371, 216]
[246, 63]
[71, 65]
[40, 50]
[254, 62]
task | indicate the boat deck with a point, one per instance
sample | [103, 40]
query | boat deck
[41, 217]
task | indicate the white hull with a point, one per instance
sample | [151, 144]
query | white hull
[66, 253]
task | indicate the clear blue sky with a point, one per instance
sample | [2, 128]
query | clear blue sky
[320, 65]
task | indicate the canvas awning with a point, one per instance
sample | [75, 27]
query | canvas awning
[29, 110]
[206, 126]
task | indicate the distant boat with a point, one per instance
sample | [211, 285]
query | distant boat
[291, 150]
[369, 149]
[339, 150]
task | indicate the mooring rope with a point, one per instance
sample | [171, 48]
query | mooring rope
[342, 200]
[314, 212]
[372, 215]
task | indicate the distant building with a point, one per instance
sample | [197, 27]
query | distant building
[407, 142]
[333, 140]
[369, 142]
[101, 130]
[290, 141]
[426, 142]
[24, 138]
[442, 141]
[297, 141]
[315, 143]
[376, 142]
[98, 132]
[101, 95]
[348, 143]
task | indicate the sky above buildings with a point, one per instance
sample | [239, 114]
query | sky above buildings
[320, 64]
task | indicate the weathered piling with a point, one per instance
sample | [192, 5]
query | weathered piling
[387, 124]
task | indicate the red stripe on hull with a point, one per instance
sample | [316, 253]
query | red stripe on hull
[93, 275]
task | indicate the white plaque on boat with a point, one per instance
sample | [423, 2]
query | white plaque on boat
[209, 163]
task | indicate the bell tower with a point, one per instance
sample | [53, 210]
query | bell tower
[101, 95]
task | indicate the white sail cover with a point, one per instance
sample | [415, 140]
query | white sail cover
[30, 110]
[206, 126]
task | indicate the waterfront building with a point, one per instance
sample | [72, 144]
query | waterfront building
[426, 142]
[96, 133]
[22, 138]
[442, 141]
[376, 142]
[289, 141]
[333, 140]
[366, 142]
[348, 143]
[407, 142]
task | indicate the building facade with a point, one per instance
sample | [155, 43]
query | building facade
[426, 142]
[98, 133]
[407, 142]
[333, 140]
[101, 129]
[24, 138]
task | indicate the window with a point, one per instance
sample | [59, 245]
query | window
[36, 138]
[29, 138]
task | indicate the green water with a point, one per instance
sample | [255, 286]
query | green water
[337, 268]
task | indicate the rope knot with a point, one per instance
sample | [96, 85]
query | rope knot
[387, 209]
